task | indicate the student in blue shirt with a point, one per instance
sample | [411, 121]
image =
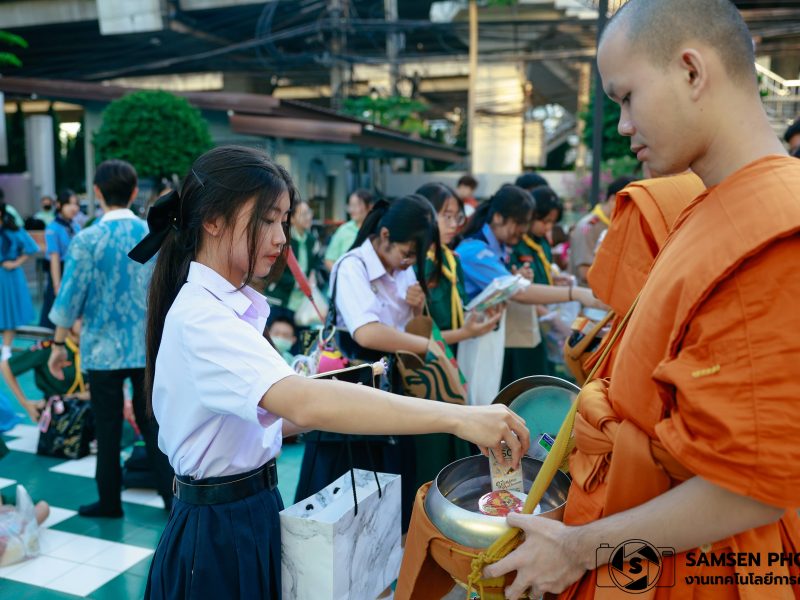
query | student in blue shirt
[16, 306]
[57, 236]
[495, 228]
[108, 291]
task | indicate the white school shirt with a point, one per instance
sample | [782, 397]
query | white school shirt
[212, 369]
[371, 296]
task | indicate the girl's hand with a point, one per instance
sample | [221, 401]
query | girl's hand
[415, 297]
[586, 297]
[493, 427]
[10, 265]
[478, 324]
[525, 270]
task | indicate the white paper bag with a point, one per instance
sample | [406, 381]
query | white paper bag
[481, 361]
[330, 553]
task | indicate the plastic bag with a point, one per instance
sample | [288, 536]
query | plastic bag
[557, 326]
[19, 531]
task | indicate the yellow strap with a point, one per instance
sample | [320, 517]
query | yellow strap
[597, 211]
[542, 257]
[562, 446]
[77, 384]
[450, 272]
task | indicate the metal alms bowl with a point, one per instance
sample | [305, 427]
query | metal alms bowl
[452, 500]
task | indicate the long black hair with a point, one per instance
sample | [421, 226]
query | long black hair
[510, 202]
[219, 184]
[408, 219]
[438, 194]
[546, 201]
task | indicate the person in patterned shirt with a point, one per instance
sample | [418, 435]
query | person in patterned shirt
[109, 291]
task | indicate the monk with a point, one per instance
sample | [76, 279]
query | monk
[694, 443]
[644, 214]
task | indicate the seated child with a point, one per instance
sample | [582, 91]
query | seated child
[281, 331]
[35, 359]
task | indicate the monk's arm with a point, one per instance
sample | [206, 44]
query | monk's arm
[689, 515]
[697, 512]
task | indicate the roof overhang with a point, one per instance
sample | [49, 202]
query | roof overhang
[255, 114]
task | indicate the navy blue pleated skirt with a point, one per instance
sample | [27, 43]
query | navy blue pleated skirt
[220, 551]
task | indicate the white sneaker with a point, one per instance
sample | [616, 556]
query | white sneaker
[5, 354]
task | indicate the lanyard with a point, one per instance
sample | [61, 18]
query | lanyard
[597, 211]
[450, 272]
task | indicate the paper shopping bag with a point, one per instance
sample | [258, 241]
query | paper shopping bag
[333, 549]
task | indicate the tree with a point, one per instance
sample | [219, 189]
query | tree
[158, 133]
[393, 111]
[10, 39]
[614, 145]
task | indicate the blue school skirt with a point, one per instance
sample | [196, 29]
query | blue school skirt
[230, 550]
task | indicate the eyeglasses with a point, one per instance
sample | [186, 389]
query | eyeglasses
[458, 219]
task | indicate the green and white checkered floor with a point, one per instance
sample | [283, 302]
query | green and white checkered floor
[81, 557]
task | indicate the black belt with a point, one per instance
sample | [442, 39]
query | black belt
[219, 490]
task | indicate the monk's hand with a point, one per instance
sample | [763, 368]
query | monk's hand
[494, 428]
[544, 562]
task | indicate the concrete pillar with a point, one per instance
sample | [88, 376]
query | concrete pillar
[40, 153]
[499, 114]
[92, 119]
[3, 139]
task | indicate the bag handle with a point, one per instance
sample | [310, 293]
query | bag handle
[330, 322]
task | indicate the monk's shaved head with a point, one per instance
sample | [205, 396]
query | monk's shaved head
[660, 28]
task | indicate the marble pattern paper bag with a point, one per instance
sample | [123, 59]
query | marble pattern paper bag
[331, 551]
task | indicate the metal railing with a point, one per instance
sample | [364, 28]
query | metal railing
[781, 96]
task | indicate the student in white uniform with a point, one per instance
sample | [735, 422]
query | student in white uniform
[222, 394]
[374, 294]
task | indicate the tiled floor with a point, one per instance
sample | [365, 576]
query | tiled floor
[91, 558]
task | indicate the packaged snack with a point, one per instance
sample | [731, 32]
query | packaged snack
[504, 476]
[501, 502]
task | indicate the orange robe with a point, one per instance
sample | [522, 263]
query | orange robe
[705, 379]
[643, 217]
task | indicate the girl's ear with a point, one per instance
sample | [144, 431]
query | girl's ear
[213, 227]
[384, 234]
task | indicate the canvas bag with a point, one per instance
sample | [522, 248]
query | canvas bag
[334, 547]
[436, 376]
[481, 361]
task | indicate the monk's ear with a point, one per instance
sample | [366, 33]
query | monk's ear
[695, 71]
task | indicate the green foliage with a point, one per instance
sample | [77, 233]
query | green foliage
[623, 165]
[398, 112]
[158, 133]
[11, 39]
[614, 145]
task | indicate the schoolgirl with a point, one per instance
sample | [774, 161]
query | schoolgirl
[534, 250]
[16, 306]
[375, 292]
[57, 237]
[224, 397]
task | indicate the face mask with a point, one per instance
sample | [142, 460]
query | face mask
[46, 207]
[282, 345]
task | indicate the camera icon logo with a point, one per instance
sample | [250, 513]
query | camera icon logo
[635, 566]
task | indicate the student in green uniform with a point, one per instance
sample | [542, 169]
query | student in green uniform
[444, 275]
[35, 359]
[534, 252]
[446, 298]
